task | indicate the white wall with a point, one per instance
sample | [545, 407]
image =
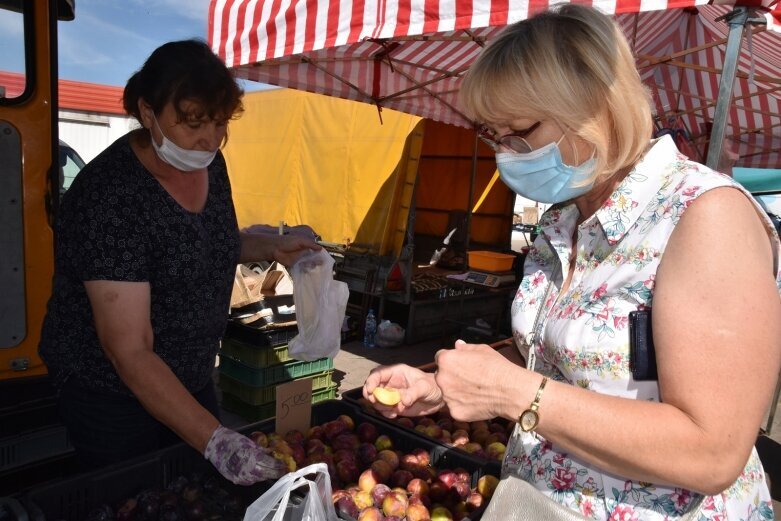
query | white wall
[520, 239]
[88, 133]
[521, 202]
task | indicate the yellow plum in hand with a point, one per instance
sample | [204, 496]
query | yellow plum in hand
[387, 395]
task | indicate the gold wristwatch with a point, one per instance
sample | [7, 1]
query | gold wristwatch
[529, 418]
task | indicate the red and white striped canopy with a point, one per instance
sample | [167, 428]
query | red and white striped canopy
[409, 55]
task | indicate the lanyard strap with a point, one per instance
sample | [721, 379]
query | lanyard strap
[536, 333]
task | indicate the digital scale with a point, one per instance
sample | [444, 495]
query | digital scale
[483, 278]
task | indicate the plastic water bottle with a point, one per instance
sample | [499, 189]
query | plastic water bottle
[370, 329]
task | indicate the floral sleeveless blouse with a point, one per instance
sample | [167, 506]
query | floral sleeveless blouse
[585, 337]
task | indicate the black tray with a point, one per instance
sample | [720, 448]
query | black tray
[266, 337]
[440, 456]
[272, 303]
[355, 396]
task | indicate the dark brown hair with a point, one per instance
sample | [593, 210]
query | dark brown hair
[184, 70]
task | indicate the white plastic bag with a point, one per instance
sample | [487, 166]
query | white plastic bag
[320, 305]
[316, 505]
[389, 334]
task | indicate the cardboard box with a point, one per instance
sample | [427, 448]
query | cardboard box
[531, 215]
[250, 286]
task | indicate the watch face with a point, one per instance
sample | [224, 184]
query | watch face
[529, 420]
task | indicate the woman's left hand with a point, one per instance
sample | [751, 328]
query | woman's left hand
[476, 381]
[290, 247]
[285, 249]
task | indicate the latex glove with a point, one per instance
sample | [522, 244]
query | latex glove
[241, 460]
[420, 394]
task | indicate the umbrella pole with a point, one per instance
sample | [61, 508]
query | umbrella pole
[737, 20]
[470, 202]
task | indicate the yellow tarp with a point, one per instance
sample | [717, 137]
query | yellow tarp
[326, 162]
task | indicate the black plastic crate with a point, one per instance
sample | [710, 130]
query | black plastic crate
[35, 445]
[443, 316]
[261, 336]
[28, 415]
[17, 479]
[76, 497]
[33, 441]
[72, 499]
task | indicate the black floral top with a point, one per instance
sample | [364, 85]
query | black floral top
[117, 222]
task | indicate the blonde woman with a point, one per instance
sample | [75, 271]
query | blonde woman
[634, 226]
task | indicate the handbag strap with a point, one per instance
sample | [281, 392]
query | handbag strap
[536, 332]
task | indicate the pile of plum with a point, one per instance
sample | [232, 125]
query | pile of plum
[373, 481]
[485, 439]
[196, 497]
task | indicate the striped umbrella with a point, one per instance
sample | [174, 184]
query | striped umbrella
[410, 55]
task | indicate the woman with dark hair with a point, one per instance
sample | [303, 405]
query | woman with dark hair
[147, 244]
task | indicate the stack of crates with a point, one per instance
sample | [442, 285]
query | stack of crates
[254, 361]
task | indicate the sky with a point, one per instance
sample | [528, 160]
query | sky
[110, 39]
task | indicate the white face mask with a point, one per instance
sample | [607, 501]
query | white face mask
[178, 157]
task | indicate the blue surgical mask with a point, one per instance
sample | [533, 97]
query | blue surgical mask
[181, 158]
[542, 176]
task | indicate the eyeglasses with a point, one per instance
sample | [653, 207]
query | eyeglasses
[515, 141]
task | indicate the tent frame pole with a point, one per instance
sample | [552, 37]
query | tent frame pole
[736, 20]
[470, 202]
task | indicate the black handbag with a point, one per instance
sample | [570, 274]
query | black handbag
[642, 356]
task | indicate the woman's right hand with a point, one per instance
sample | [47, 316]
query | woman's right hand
[420, 394]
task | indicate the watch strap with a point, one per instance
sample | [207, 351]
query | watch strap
[536, 403]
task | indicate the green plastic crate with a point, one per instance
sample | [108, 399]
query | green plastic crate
[262, 395]
[255, 356]
[271, 375]
[263, 412]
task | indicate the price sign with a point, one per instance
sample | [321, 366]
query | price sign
[294, 406]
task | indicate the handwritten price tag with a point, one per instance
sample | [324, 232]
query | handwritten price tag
[294, 406]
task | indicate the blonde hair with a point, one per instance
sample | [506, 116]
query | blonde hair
[572, 65]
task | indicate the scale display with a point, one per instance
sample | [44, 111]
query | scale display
[492, 280]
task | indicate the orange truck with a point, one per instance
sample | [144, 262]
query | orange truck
[29, 195]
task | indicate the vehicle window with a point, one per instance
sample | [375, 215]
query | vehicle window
[770, 202]
[12, 60]
[70, 165]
